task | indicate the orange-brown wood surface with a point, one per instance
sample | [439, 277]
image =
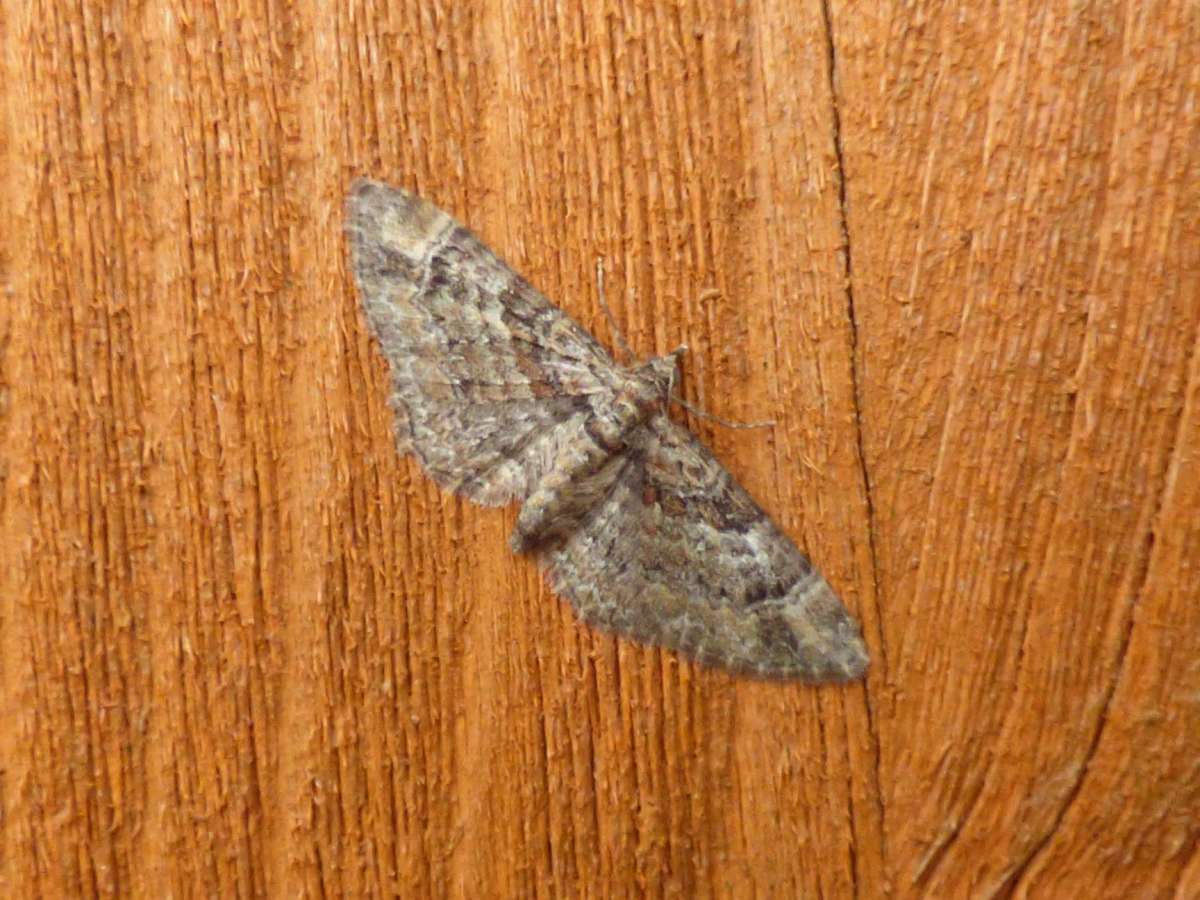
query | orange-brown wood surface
[952, 249]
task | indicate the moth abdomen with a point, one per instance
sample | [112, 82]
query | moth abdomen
[580, 473]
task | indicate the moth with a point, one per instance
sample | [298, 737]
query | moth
[502, 397]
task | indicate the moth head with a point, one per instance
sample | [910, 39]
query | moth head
[662, 372]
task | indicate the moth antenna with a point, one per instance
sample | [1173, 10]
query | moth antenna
[612, 322]
[720, 420]
[703, 414]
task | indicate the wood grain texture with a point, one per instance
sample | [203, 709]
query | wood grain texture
[246, 650]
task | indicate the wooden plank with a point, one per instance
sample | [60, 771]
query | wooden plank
[1029, 305]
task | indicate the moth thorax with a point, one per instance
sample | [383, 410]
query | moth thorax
[578, 480]
[636, 402]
